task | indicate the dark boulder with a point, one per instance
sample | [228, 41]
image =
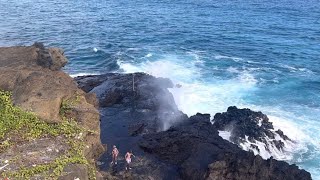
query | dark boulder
[250, 126]
[51, 58]
[200, 153]
[146, 98]
[249, 167]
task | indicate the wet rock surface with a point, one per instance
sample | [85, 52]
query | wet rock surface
[138, 113]
[146, 101]
[132, 105]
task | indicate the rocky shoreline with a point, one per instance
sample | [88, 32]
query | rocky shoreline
[139, 114]
[136, 112]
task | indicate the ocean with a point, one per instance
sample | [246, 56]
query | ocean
[263, 55]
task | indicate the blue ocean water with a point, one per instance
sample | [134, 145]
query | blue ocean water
[264, 55]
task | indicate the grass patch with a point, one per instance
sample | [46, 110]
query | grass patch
[68, 104]
[26, 126]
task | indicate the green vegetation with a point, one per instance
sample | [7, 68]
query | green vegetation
[67, 105]
[55, 168]
[15, 122]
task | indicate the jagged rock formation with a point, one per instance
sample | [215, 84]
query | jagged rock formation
[200, 153]
[38, 85]
[133, 118]
[248, 126]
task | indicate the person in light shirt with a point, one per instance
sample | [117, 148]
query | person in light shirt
[128, 159]
[115, 153]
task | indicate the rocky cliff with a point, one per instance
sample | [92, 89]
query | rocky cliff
[54, 127]
[139, 114]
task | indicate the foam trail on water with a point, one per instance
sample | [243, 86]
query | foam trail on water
[82, 74]
[236, 59]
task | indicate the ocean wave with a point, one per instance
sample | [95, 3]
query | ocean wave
[267, 148]
[195, 95]
[285, 154]
[303, 149]
[296, 69]
[298, 129]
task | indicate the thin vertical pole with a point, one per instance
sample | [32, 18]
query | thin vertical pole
[133, 82]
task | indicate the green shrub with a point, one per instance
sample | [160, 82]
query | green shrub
[27, 126]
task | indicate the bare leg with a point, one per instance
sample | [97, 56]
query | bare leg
[113, 159]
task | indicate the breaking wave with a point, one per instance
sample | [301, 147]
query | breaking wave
[200, 93]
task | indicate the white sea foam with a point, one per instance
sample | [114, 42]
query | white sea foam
[305, 71]
[95, 49]
[133, 49]
[196, 55]
[233, 70]
[225, 135]
[82, 74]
[290, 147]
[129, 68]
[194, 95]
[296, 129]
[290, 68]
[285, 154]
[236, 59]
[247, 78]
[149, 55]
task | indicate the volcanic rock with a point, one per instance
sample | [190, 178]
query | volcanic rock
[248, 126]
[134, 109]
[200, 153]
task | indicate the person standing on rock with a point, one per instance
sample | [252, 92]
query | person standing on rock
[115, 153]
[128, 159]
